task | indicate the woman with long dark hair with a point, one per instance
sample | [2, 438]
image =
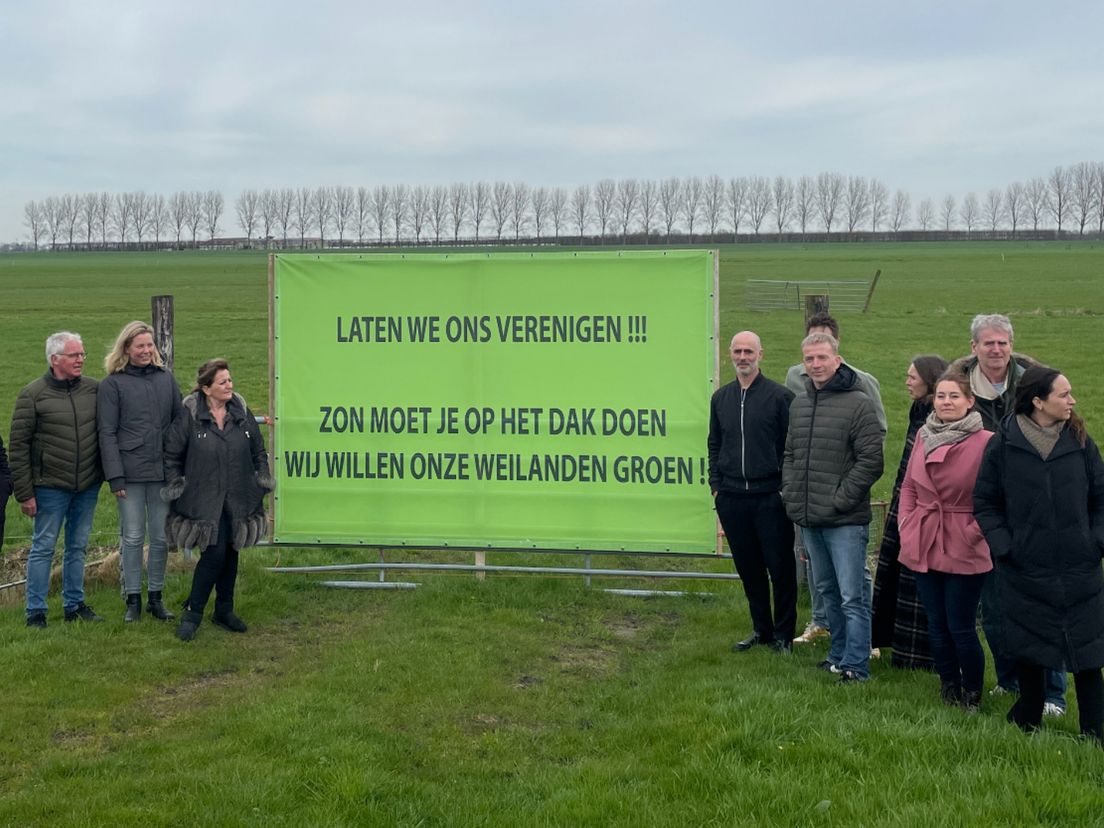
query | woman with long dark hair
[941, 544]
[1039, 499]
[898, 614]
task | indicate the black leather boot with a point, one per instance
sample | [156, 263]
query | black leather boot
[133, 608]
[156, 608]
[189, 624]
[224, 617]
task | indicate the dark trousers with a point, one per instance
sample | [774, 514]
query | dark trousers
[951, 602]
[218, 570]
[761, 539]
[1027, 713]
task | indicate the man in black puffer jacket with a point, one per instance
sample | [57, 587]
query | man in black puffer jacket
[747, 434]
[833, 456]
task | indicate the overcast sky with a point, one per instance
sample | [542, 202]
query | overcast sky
[942, 97]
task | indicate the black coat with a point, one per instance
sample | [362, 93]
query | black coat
[208, 469]
[1044, 522]
[134, 409]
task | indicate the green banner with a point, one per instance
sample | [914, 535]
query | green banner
[544, 400]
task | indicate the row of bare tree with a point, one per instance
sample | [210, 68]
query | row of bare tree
[1068, 196]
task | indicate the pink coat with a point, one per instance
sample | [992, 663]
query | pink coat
[936, 513]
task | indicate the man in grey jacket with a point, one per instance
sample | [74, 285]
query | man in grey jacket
[833, 456]
[55, 464]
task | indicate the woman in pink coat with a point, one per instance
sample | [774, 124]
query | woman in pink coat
[940, 540]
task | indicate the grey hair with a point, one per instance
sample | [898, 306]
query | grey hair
[821, 339]
[55, 343]
[994, 321]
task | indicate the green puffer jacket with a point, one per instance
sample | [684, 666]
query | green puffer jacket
[53, 436]
[833, 454]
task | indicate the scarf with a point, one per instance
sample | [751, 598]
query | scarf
[936, 433]
[1042, 438]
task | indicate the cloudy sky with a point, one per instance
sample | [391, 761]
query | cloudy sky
[935, 97]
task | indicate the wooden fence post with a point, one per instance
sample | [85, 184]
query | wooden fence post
[161, 312]
[815, 303]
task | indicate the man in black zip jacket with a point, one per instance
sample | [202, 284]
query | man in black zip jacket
[747, 436]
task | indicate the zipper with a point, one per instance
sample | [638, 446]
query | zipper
[743, 453]
[76, 439]
[809, 451]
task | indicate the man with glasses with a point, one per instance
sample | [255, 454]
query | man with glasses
[55, 462]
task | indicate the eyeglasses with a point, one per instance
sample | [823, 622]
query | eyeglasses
[77, 355]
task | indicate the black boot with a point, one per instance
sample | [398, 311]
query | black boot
[971, 701]
[156, 608]
[224, 617]
[189, 624]
[133, 607]
[951, 693]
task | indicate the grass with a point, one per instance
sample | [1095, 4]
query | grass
[517, 700]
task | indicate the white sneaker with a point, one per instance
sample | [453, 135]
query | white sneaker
[813, 631]
[1000, 691]
[1051, 709]
[875, 653]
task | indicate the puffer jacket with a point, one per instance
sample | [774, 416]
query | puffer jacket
[53, 436]
[747, 434]
[1044, 522]
[134, 409]
[833, 454]
[208, 470]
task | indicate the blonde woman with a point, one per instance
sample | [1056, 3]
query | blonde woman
[137, 403]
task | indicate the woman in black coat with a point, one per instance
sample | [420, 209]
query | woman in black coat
[1039, 499]
[217, 474]
[898, 619]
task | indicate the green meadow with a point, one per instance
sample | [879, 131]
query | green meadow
[517, 700]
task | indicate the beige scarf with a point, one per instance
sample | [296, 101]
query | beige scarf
[1042, 438]
[935, 433]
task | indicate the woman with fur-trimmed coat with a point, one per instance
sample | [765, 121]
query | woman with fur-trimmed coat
[217, 474]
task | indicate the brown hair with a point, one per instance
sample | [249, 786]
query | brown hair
[1038, 381]
[930, 367]
[205, 376]
[823, 320]
[958, 378]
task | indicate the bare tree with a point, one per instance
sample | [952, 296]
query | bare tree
[285, 203]
[479, 197]
[246, 207]
[501, 194]
[158, 217]
[879, 203]
[70, 208]
[759, 201]
[1058, 186]
[400, 204]
[178, 213]
[902, 206]
[829, 191]
[857, 201]
[604, 193]
[104, 202]
[737, 202]
[649, 199]
[804, 203]
[458, 207]
[539, 202]
[1014, 201]
[1082, 192]
[1099, 196]
[519, 207]
[713, 203]
[322, 210]
[691, 202]
[213, 205]
[303, 213]
[121, 213]
[783, 195]
[140, 206]
[994, 209]
[1037, 200]
[344, 207]
[948, 212]
[50, 210]
[419, 210]
[32, 217]
[670, 200]
[926, 214]
[438, 210]
[625, 202]
[381, 208]
[580, 208]
[88, 205]
[362, 212]
[969, 211]
[266, 214]
[557, 209]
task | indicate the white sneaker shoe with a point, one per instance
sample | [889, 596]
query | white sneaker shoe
[1051, 709]
[813, 631]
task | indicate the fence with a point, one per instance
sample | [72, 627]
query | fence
[770, 294]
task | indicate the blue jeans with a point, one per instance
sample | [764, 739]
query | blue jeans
[142, 511]
[76, 510]
[838, 558]
[951, 602]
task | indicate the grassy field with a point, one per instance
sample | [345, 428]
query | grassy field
[518, 700]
